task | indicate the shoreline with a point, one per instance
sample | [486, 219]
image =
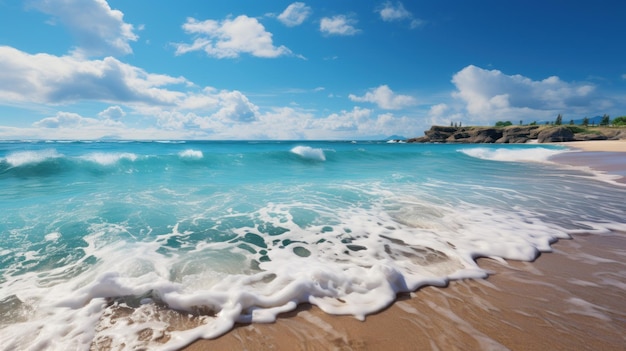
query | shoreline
[571, 298]
[598, 145]
[605, 156]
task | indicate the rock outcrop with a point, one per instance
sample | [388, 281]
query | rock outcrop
[555, 135]
[515, 134]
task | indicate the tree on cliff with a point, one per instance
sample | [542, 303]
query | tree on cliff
[585, 121]
[503, 124]
[559, 120]
[606, 120]
[620, 121]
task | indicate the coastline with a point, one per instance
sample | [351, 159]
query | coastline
[571, 298]
[598, 145]
[605, 156]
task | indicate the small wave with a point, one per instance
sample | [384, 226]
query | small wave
[538, 154]
[191, 154]
[22, 158]
[107, 159]
[309, 153]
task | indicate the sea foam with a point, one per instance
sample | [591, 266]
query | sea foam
[191, 154]
[158, 258]
[309, 153]
[20, 158]
[108, 159]
[535, 154]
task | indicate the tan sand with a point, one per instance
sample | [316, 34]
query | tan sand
[598, 145]
[606, 156]
[572, 299]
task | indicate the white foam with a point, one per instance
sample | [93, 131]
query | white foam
[54, 236]
[535, 154]
[309, 153]
[109, 158]
[359, 258]
[191, 154]
[21, 158]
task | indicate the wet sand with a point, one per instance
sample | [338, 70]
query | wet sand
[570, 299]
[606, 156]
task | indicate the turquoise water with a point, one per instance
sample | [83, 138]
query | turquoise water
[231, 232]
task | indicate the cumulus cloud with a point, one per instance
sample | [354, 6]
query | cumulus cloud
[338, 25]
[235, 106]
[44, 78]
[73, 121]
[295, 14]
[385, 98]
[390, 12]
[98, 29]
[114, 113]
[493, 94]
[230, 38]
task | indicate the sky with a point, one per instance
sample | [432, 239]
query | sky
[310, 70]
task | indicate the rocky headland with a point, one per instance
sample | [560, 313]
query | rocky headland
[518, 134]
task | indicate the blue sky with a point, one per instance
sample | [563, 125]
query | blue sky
[349, 69]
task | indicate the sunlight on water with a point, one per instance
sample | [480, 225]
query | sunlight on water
[157, 244]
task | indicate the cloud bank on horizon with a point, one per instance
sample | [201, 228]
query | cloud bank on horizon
[90, 69]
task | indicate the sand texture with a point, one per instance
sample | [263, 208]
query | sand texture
[571, 299]
[599, 145]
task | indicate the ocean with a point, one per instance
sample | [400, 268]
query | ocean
[152, 245]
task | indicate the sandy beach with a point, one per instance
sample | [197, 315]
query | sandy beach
[599, 145]
[606, 156]
[570, 299]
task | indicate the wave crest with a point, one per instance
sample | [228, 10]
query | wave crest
[191, 154]
[309, 153]
[21, 158]
[538, 154]
[107, 159]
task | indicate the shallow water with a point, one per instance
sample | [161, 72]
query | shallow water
[96, 234]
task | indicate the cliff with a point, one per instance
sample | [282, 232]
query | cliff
[517, 134]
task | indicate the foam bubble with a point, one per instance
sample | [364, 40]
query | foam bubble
[309, 153]
[538, 154]
[52, 236]
[191, 154]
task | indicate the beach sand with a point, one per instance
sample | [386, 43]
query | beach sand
[570, 299]
[599, 145]
[606, 156]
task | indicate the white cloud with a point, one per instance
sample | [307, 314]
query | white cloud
[234, 106]
[338, 25]
[491, 94]
[438, 110]
[230, 38]
[114, 113]
[98, 29]
[385, 98]
[295, 14]
[390, 12]
[43, 78]
[74, 121]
